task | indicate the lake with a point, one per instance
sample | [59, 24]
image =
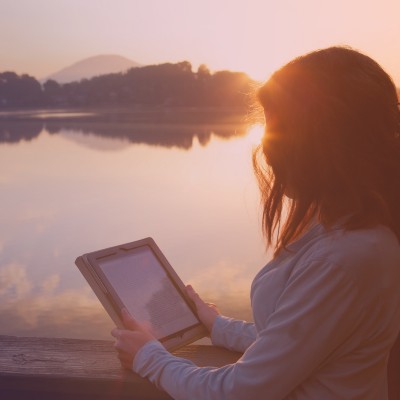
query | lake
[74, 182]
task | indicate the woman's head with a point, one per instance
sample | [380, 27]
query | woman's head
[331, 144]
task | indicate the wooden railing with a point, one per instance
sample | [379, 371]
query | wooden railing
[66, 369]
[63, 369]
[394, 372]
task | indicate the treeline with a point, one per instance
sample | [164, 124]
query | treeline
[155, 85]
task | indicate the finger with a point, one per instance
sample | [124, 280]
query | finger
[117, 345]
[121, 334]
[116, 333]
[129, 322]
[123, 355]
[193, 295]
[190, 291]
[125, 360]
[120, 345]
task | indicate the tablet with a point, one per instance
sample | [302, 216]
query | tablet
[138, 277]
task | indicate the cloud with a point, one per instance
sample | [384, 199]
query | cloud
[45, 310]
[51, 283]
[38, 310]
[228, 286]
[40, 217]
[71, 313]
[14, 282]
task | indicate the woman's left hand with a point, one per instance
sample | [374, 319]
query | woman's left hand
[130, 340]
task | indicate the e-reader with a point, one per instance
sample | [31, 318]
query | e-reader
[138, 277]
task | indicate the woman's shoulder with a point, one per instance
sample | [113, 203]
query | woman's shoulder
[368, 245]
[364, 255]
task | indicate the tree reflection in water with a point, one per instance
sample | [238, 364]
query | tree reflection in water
[166, 129]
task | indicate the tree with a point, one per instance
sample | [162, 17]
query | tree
[19, 91]
[165, 84]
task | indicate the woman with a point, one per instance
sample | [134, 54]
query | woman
[327, 307]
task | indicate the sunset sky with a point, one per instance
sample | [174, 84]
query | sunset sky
[40, 37]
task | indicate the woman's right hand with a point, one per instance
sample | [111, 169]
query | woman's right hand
[207, 312]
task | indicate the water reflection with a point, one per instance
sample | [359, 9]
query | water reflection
[181, 136]
[155, 130]
[44, 310]
[41, 310]
[61, 199]
[15, 131]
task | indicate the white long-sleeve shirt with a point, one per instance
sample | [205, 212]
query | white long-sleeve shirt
[326, 313]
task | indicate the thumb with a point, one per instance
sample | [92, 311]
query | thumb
[193, 295]
[129, 322]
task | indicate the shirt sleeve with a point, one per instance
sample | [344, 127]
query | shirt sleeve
[233, 334]
[318, 310]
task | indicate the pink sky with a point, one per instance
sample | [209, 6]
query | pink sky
[256, 36]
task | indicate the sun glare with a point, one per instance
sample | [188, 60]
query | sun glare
[254, 135]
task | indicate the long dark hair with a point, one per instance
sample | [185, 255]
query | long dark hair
[331, 147]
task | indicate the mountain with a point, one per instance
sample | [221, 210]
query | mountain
[92, 66]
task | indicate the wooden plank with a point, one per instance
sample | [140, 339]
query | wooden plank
[73, 368]
[394, 371]
[64, 369]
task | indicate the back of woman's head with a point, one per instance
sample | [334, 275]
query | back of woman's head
[331, 144]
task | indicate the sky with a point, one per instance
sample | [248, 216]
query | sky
[40, 37]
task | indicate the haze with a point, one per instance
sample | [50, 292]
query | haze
[255, 36]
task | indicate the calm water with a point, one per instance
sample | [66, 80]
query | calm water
[77, 183]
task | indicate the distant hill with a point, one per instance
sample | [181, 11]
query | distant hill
[92, 66]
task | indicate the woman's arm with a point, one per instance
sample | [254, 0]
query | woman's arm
[233, 334]
[315, 314]
[225, 332]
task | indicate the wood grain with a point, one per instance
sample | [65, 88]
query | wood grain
[72, 368]
[65, 369]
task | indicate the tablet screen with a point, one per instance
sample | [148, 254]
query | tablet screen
[147, 292]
